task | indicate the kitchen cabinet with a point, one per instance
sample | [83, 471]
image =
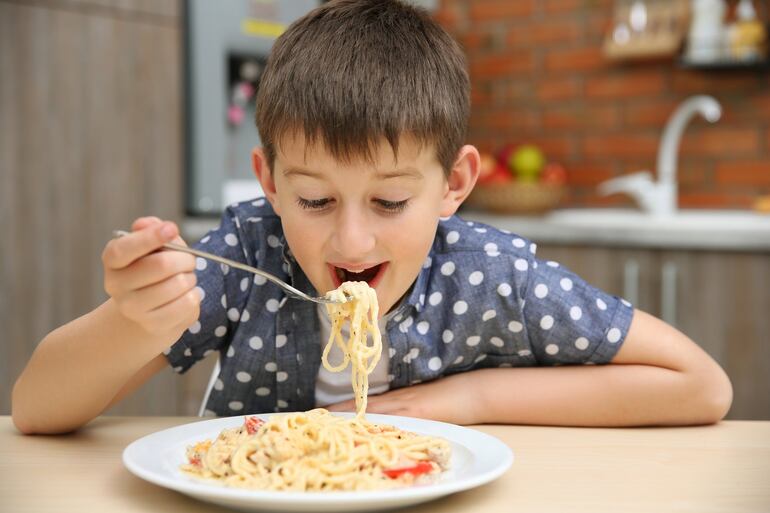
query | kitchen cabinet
[90, 139]
[720, 299]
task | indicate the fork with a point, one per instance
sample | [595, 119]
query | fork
[238, 265]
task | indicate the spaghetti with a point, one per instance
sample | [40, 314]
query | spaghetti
[315, 450]
[362, 312]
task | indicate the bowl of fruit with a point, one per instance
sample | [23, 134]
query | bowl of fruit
[518, 180]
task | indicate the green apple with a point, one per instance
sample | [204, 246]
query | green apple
[527, 162]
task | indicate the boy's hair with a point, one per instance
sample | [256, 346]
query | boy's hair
[352, 72]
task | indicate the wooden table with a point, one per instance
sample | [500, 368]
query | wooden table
[718, 468]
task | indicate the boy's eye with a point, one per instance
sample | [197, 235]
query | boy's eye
[313, 204]
[392, 206]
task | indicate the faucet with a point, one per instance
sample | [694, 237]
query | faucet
[660, 198]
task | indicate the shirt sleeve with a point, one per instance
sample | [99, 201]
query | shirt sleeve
[224, 294]
[568, 320]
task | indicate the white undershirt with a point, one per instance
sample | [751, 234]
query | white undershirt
[333, 387]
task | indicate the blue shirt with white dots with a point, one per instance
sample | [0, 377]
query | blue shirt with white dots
[481, 300]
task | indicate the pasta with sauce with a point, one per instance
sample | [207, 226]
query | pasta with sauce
[318, 451]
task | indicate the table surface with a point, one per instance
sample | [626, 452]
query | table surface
[719, 468]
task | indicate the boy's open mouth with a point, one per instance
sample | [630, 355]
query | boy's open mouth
[371, 275]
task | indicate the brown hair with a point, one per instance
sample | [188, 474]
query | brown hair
[354, 71]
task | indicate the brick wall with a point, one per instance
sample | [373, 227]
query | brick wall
[538, 75]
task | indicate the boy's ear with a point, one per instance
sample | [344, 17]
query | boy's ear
[461, 180]
[265, 177]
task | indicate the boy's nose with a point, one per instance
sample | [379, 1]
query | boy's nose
[353, 237]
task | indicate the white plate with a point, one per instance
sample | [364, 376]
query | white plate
[477, 458]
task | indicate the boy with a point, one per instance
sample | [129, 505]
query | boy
[362, 113]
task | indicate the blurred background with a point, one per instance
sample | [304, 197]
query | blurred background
[629, 138]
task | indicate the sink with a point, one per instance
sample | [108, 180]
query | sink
[686, 219]
[685, 228]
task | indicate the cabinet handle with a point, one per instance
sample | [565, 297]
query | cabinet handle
[631, 281]
[668, 293]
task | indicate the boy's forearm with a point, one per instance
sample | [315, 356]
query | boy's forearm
[601, 395]
[77, 369]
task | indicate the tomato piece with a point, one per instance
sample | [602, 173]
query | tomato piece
[252, 424]
[422, 467]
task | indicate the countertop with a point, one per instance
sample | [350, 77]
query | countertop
[737, 230]
[719, 468]
[724, 230]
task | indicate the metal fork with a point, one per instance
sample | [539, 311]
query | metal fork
[238, 265]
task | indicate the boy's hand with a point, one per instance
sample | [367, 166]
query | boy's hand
[450, 399]
[155, 289]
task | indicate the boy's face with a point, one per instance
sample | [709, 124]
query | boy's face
[357, 221]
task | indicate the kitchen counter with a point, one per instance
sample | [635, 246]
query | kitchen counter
[738, 230]
[719, 468]
[687, 229]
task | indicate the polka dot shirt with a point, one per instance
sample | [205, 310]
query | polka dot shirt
[481, 299]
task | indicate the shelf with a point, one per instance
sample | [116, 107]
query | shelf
[726, 65]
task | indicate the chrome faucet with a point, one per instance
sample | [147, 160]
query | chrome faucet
[660, 198]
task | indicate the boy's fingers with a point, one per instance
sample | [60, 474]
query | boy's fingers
[122, 251]
[149, 270]
[144, 222]
[182, 312]
[143, 301]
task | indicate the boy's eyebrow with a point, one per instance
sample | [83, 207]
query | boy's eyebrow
[407, 172]
[291, 171]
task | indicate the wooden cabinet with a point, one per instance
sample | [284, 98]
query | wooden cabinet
[90, 139]
[721, 299]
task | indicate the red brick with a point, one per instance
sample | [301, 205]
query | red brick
[598, 117]
[516, 93]
[508, 120]
[744, 172]
[715, 200]
[447, 16]
[580, 59]
[601, 147]
[760, 104]
[501, 65]
[494, 10]
[599, 24]
[613, 200]
[625, 85]
[558, 89]
[480, 94]
[720, 141]
[562, 6]
[694, 174]
[652, 113]
[545, 32]
[559, 149]
[588, 174]
[473, 40]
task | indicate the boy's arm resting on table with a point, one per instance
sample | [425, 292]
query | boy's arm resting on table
[658, 377]
[82, 368]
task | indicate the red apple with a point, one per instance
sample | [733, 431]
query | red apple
[504, 154]
[554, 173]
[501, 174]
[488, 164]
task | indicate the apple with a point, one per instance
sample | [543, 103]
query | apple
[554, 173]
[503, 155]
[527, 161]
[500, 174]
[488, 165]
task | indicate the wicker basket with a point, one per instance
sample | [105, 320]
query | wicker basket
[516, 197]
